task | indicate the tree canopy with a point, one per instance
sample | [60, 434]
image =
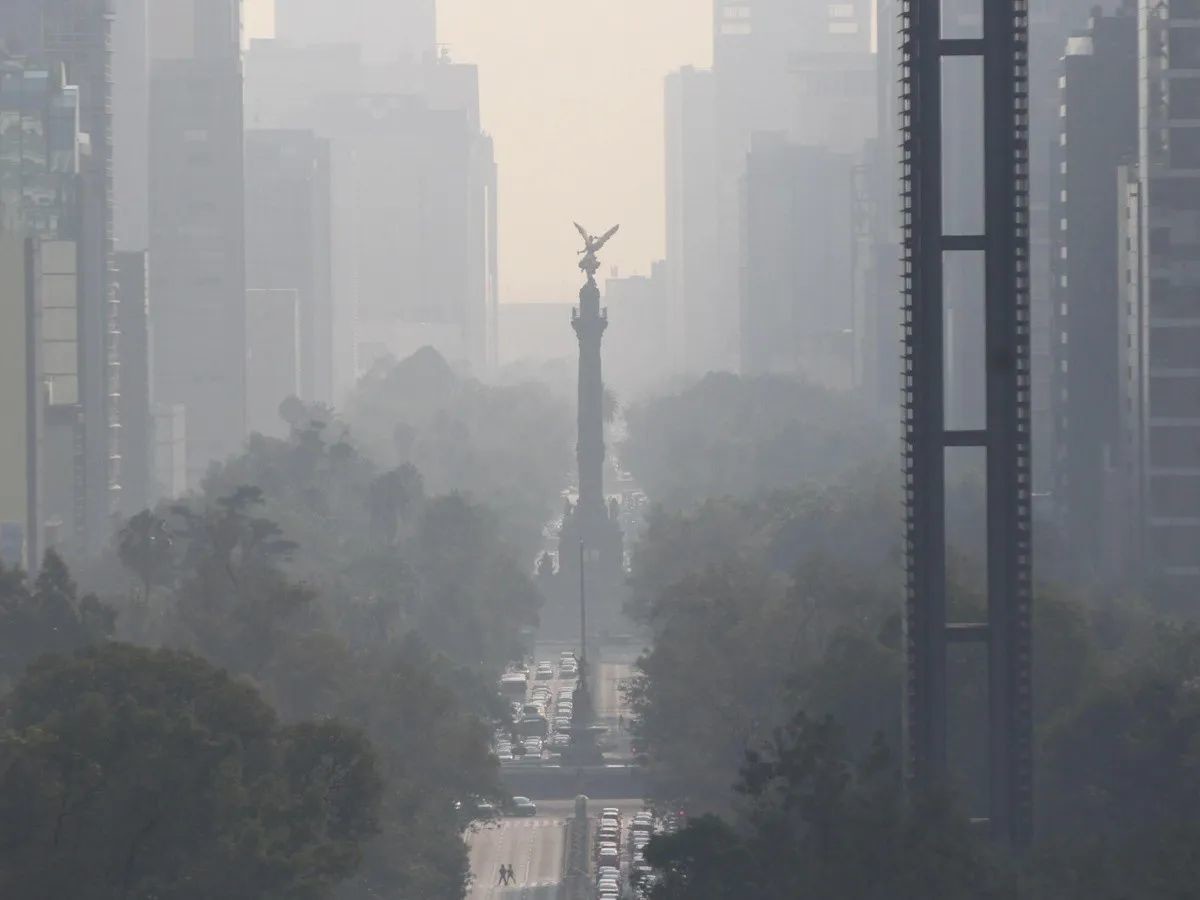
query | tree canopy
[738, 436]
[129, 772]
[508, 446]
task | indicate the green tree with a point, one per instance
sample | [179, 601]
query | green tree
[738, 436]
[127, 772]
[819, 823]
[50, 618]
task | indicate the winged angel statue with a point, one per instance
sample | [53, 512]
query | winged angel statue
[592, 245]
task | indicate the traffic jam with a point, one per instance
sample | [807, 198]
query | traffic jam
[542, 701]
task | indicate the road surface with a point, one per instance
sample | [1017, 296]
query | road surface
[533, 846]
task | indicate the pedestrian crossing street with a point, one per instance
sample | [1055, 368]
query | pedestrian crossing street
[533, 847]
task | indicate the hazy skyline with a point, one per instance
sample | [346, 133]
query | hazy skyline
[574, 101]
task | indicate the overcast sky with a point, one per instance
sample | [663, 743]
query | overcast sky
[572, 94]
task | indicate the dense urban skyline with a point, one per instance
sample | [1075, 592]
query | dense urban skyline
[560, 159]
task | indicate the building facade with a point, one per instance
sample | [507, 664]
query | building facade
[289, 240]
[1098, 134]
[1166, 318]
[197, 243]
[797, 262]
[691, 219]
[75, 35]
[274, 354]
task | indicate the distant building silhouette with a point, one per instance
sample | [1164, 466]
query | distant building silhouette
[414, 198]
[1098, 134]
[289, 239]
[197, 274]
[387, 30]
[273, 356]
[693, 301]
[797, 267]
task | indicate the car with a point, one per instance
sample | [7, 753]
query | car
[610, 811]
[523, 806]
[609, 885]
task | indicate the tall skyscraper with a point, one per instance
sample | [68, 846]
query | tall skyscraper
[1098, 122]
[797, 272]
[21, 462]
[197, 242]
[804, 69]
[691, 219]
[273, 356]
[76, 35]
[130, 117]
[137, 426]
[414, 191]
[1163, 319]
[288, 240]
[386, 29]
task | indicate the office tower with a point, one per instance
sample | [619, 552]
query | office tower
[76, 35]
[797, 274]
[197, 241]
[20, 402]
[137, 427]
[802, 69]
[1164, 321]
[273, 356]
[288, 241]
[41, 198]
[414, 199]
[638, 330]
[387, 30]
[1098, 134]
[691, 219]
[130, 124]
[170, 450]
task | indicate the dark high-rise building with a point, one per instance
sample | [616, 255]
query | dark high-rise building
[691, 219]
[1098, 121]
[197, 241]
[288, 240]
[1162, 311]
[797, 273]
[385, 29]
[76, 34]
[137, 425]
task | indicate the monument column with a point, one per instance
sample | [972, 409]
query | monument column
[589, 322]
